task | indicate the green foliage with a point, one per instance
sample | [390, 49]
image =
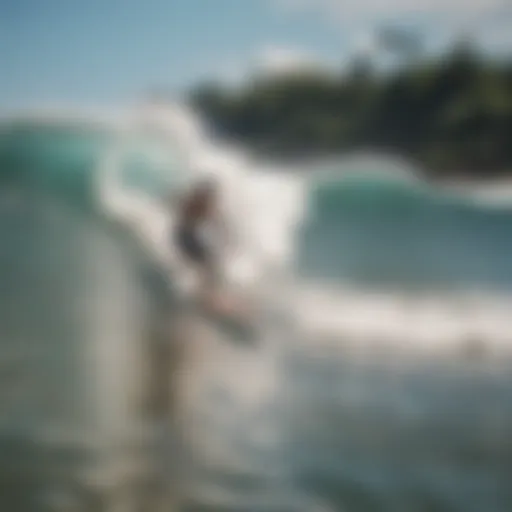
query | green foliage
[453, 115]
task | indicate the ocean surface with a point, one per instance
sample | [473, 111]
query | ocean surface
[381, 377]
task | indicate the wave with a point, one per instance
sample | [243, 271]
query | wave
[242, 421]
[367, 228]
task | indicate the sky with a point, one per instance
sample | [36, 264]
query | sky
[101, 52]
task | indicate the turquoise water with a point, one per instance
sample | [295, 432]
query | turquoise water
[396, 232]
[79, 307]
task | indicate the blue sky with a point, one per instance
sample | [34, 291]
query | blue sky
[111, 51]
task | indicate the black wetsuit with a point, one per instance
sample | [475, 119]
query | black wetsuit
[188, 234]
[188, 239]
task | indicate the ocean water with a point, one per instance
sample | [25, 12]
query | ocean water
[381, 376]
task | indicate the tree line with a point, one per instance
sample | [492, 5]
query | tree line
[452, 114]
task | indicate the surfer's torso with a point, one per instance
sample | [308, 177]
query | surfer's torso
[196, 211]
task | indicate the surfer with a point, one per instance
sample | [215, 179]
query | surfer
[197, 213]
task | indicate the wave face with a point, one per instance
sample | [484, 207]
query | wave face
[381, 229]
[398, 304]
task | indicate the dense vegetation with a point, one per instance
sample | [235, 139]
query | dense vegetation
[452, 115]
